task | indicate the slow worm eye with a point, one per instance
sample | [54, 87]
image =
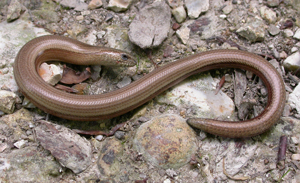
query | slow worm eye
[124, 57]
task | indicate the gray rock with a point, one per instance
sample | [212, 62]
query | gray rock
[27, 104]
[295, 139]
[151, 25]
[71, 150]
[297, 34]
[90, 38]
[120, 135]
[228, 8]
[69, 3]
[288, 33]
[175, 4]
[207, 26]
[234, 161]
[108, 162]
[253, 30]
[199, 95]
[196, 7]
[275, 63]
[273, 3]
[8, 100]
[81, 7]
[292, 62]
[294, 49]
[294, 99]
[179, 14]
[14, 10]
[109, 17]
[117, 37]
[268, 14]
[125, 81]
[273, 30]
[76, 4]
[119, 5]
[100, 34]
[171, 173]
[77, 29]
[28, 164]
[20, 144]
[143, 119]
[95, 4]
[184, 32]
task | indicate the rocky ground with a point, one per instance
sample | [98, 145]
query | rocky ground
[153, 143]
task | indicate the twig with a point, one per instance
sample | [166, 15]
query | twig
[149, 53]
[220, 84]
[231, 177]
[97, 132]
[282, 152]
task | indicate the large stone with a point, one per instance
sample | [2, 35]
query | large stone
[151, 25]
[71, 150]
[166, 141]
[196, 7]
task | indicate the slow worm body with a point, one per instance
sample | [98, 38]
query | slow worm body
[112, 104]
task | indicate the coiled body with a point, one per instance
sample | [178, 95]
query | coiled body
[112, 104]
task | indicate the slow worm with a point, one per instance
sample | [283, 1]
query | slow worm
[112, 104]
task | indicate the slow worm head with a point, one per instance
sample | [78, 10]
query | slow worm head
[112, 104]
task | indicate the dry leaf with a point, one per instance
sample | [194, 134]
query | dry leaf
[72, 77]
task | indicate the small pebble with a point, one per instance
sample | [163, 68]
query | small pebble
[288, 33]
[137, 77]
[223, 16]
[99, 137]
[272, 165]
[21, 143]
[80, 18]
[167, 181]
[108, 17]
[273, 30]
[2, 64]
[176, 26]
[283, 54]
[120, 135]
[171, 173]
[273, 3]
[295, 140]
[143, 119]
[294, 49]
[296, 157]
[162, 109]
[266, 161]
[264, 91]
[297, 34]
[28, 132]
[126, 81]
[202, 135]
[95, 4]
